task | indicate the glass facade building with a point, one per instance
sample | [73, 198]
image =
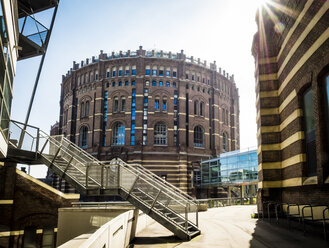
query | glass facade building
[232, 168]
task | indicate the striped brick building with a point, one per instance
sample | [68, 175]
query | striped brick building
[291, 50]
[165, 111]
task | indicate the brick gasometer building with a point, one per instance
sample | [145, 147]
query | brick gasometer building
[162, 110]
[292, 86]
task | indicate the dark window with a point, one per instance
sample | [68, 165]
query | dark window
[108, 74]
[201, 108]
[118, 134]
[309, 132]
[186, 76]
[120, 83]
[115, 104]
[127, 72]
[174, 84]
[82, 110]
[113, 84]
[174, 74]
[196, 106]
[198, 136]
[83, 137]
[126, 83]
[225, 142]
[123, 104]
[147, 72]
[133, 83]
[160, 134]
[114, 73]
[120, 73]
[87, 109]
[161, 73]
[154, 83]
[167, 84]
[133, 72]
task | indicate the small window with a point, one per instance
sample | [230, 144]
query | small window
[96, 75]
[154, 83]
[192, 87]
[192, 77]
[154, 72]
[127, 73]
[120, 83]
[225, 142]
[113, 84]
[126, 83]
[115, 104]
[82, 110]
[147, 72]
[108, 73]
[120, 73]
[133, 71]
[196, 107]
[161, 83]
[164, 104]
[83, 137]
[167, 84]
[201, 108]
[114, 73]
[123, 104]
[147, 83]
[161, 73]
[133, 83]
[167, 73]
[157, 103]
[186, 76]
[174, 74]
[174, 84]
[87, 109]
[198, 88]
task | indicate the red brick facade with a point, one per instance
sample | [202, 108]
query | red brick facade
[184, 82]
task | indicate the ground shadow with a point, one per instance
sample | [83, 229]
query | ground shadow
[156, 240]
[269, 233]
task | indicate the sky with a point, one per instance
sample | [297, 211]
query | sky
[212, 30]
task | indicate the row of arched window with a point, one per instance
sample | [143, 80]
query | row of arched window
[198, 108]
[160, 135]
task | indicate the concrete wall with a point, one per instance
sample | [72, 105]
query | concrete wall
[118, 232]
[73, 222]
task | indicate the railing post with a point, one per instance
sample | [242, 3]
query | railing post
[37, 144]
[119, 175]
[87, 171]
[197, 214]
[102, 175]
[186, 217]
[44, 146]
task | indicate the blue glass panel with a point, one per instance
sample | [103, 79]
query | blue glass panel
[154, 83]
[127, 83]
[161, 83]
[167, 84]
[147, 72]
[168, 73]
[133, 72]
[120, 83]
[120, 73]
[154, 72]
[133, 83]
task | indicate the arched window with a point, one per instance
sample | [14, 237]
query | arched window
[198, 136]
[123, 104]
[160, 134]
[87, 109]
[164, 104]
[196, 106]
[83, 137]
[118, 137]
[223, 116]
[225, 142]
[82, 110]
[157, 103]
[115, 104]
[201, 108]
[309, 132]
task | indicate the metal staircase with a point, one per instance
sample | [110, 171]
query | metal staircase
[162, 201]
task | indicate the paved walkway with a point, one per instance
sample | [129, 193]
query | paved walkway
[229, 227]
